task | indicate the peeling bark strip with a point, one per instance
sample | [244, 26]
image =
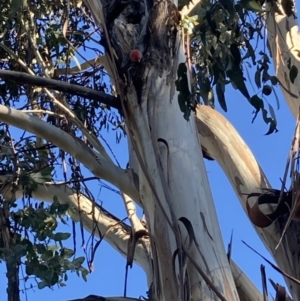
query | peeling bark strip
[271, 197]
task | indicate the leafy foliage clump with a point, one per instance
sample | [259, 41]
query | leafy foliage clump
[224, 36]
[38, 246]
[49, 39]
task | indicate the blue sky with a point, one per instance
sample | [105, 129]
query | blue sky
[109, 267]
[270, 151]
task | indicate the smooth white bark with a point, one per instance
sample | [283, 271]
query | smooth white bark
[225, 145]
[94, 219]
[95, 162]
[179, 177]
[245, 287]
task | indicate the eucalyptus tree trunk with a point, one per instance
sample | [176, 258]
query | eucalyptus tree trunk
[144, 47]
[173, 183]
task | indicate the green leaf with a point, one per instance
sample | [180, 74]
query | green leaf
[38, 178]
[206, 91]
[84, 273]
[267, 90]
[220, 90]
[67, 253]
[54, 279]
[184, 96]
[29, 268]
[25, 180]
[5, 250]
[19, 251]
[293, 73]
[254, 6]
[258, 77]
[52, 248]
[40, 248]
[228, 4]
[47, 171]
[237, 81]
[61, 236]
[16, 6]
[236, 54]
[274, 80]
[182, 3]
[272, 113]
[49, 219]
[76, 61]
[42, 271]
[42, 284]
[250, 52]
[277, 99]
[270, 121]
[62, 208]
[257, 103]
[251, 5]
[77, 262]
[272, 128]
[47, 255]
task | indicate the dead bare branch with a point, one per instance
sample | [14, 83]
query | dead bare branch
[24, 78]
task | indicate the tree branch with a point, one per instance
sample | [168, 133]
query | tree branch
[95, 218]
[24, 78]
[100, 298]
[246, 289]
[225, 145]
[117, 233]
[97, 164]
[190, 8]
